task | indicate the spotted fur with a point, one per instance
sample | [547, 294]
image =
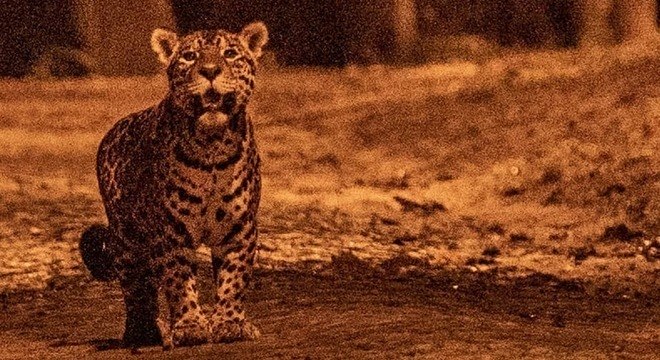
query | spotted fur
[180, 174]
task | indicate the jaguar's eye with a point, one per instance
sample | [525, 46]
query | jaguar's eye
[190, 55]
[230, 53]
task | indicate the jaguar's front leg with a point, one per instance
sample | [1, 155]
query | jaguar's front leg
[232, 270]
[189, 325]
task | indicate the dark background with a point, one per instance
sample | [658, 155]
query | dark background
[303, 32]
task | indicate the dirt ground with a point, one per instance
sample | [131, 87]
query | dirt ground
[328, 315]
[509, 209]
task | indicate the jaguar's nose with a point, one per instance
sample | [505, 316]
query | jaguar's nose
[210, 71]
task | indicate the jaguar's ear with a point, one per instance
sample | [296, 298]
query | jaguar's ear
[164, 43]
[255, 36]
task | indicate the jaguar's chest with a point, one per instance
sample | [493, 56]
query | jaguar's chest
[208, 200]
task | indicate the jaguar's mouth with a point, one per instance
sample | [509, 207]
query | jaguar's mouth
[214, 101]
[216, 109]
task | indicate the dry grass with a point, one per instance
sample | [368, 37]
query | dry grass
[534, 155]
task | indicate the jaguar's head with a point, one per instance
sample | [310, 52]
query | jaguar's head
[211, 73]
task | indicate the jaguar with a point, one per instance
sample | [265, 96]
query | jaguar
[178, 175]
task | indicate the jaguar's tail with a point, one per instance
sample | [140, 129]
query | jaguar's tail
[96, 254]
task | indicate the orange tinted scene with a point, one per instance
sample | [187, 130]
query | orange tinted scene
[439, 179]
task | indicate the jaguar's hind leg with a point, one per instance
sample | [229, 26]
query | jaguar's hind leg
[142, 311]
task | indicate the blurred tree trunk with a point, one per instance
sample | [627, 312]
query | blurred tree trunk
[636, 20]
[116, 33]
[596, 25]
[404, 17]
[607, 21]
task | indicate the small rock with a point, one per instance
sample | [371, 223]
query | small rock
[527, 315]
[482, 267]
[36, 231]
[514, 170]
[569, 268]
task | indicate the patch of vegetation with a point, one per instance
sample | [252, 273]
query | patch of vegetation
[555, 197]
[558, 236]
[389, 221]
[519, 238]
[581, 253]
[442, 176]
[404, 239]
[426, 208]
[620, 232]
[492, 251]
[329, 159]
[551, 176]
[394, 182]
[513, 191]
[348, 265]
[404, 264]
[496, 228]
[612, 190]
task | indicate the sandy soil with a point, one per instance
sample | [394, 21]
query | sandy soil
[486, 177]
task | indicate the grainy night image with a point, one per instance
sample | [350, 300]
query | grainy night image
[394, 179]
